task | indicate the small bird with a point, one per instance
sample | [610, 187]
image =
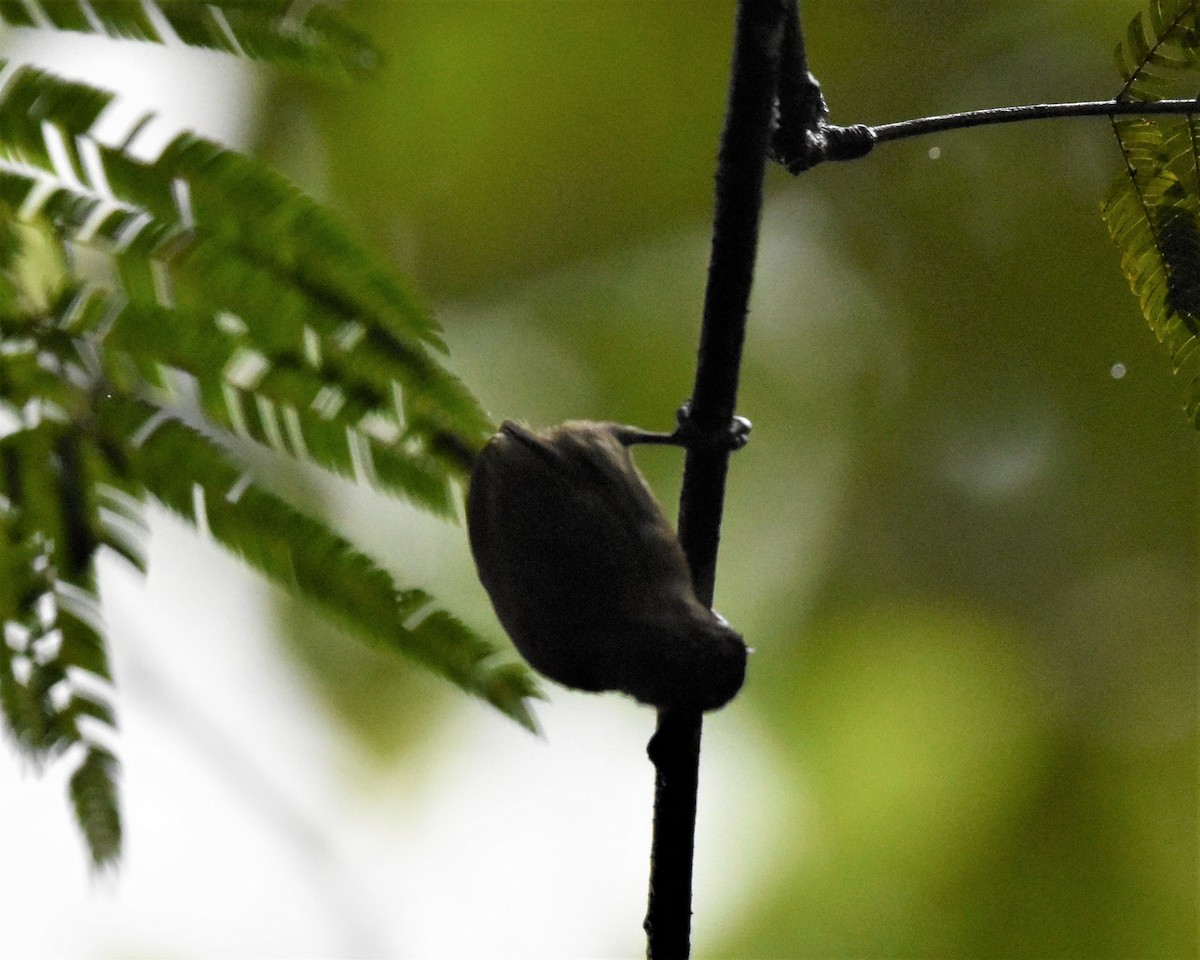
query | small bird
[586, 574]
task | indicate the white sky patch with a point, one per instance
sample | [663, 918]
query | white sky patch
[60, 695]
[37, 196]
[200, 510]
[22, 669]
[16, 635]
[181, 191]
[93, 165]
[36, 12]
[230, 323]
[360, 456]
[90, 15]
[129, 231]
[60, 157]
[90, 685]
[328, 401]
[420, 615]
[10, 421]
[380, 428]
[164, 290]
[233, 406]
[218, 18]
[79, 604]
[92, 222]
[95, 732]
[246, 368]
[46, 610]
[295, 432]
[183, 88]
[269, 419]
[234, 493]
[349, 335]
[146, 430]
[312, 347]
[46, 647]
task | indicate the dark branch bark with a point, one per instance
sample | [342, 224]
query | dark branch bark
[769, 73]
[675, 747]
[1034, 111]
[829, 142]
[803, 113]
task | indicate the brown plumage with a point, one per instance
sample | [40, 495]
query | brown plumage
[585, 573]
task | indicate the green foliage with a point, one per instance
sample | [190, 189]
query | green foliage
[53, 518]
[94, 796]
[1150, 64]
[152, 312]
[1152, 207]
[269, 30]
[1151, 212]
[190, 475]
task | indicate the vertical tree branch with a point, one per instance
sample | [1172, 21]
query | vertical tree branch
[675, 747]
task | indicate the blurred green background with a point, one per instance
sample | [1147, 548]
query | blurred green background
[963, 547]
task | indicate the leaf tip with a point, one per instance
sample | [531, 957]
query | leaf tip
[93, 790]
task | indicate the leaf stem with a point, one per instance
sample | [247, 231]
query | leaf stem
[675, 746]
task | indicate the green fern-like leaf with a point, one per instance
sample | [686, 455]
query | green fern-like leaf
[326, 355]
[1151, 62]
[192, 477]
[53, 662]
[93, 788]
[284, 402]
[132, 290]
[307, 36]
[1152, 211]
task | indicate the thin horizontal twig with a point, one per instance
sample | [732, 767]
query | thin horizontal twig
[904, 129]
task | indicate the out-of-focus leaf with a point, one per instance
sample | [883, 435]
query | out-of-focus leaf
[93, 789]
[189, 475]
[311, 36]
